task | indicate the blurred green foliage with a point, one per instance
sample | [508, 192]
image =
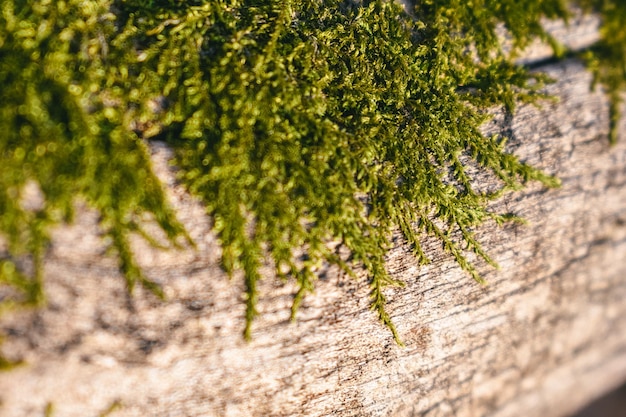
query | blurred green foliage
[296, 123]
[65, 119]
[607, 59]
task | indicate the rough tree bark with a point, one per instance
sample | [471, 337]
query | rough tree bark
[546, 335]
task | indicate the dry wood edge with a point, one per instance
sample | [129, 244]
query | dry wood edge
[543, 338]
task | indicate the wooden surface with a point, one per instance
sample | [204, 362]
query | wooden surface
[546, 336]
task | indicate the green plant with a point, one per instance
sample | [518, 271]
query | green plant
[65, 117]
[296, 123]
[607, 59]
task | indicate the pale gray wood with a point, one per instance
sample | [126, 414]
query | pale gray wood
[546, 335]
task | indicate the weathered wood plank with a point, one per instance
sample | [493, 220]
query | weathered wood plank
[543, 338]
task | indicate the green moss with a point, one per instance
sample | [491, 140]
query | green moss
[607, 59]
[296, 123]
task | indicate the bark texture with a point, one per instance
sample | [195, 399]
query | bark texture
[546, 336]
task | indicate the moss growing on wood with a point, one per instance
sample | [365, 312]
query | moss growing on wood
[296, 123]
[607, 59]
[65, 122]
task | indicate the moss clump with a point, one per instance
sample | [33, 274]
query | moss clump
[296, 123]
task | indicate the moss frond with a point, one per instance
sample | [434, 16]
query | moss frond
[65, 117]
[607, 59]
[296, 123]
[296, 110]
